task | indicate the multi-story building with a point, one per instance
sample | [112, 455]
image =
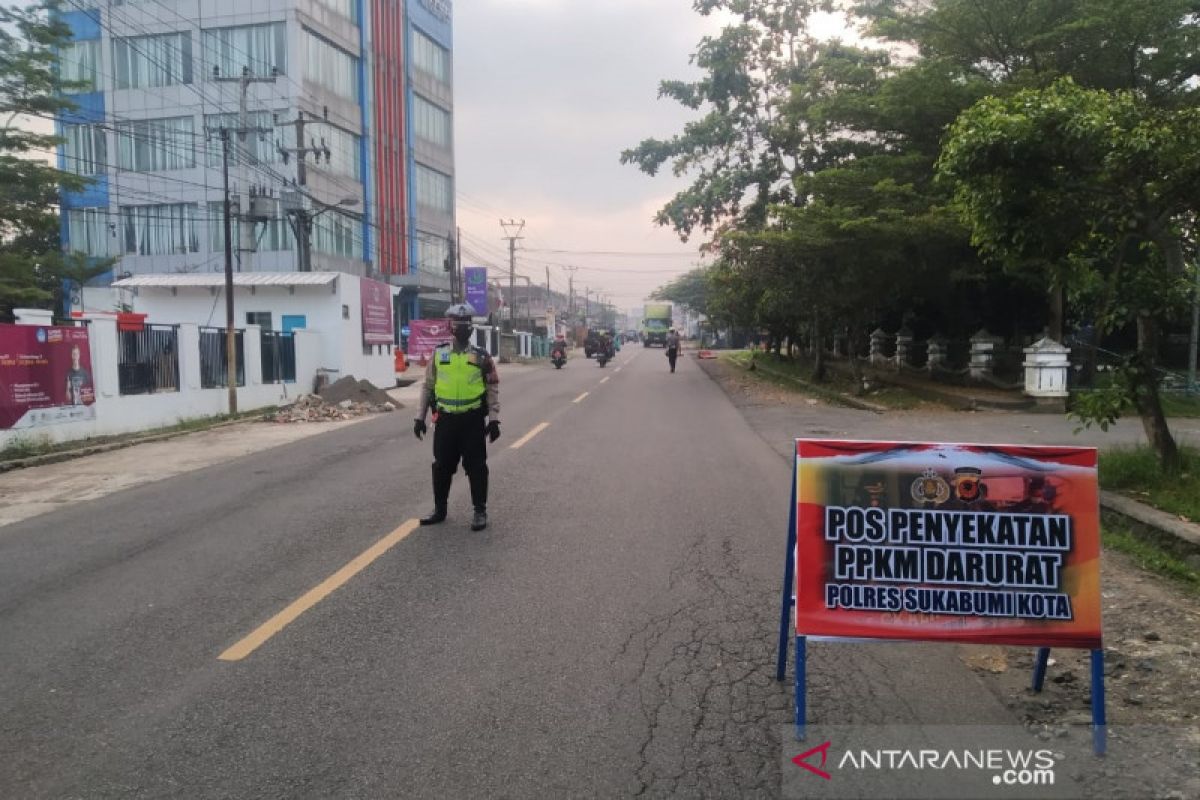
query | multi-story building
[339, 118]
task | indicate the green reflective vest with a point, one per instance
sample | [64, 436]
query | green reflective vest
[459, 386]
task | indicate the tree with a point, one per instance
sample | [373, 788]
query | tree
[31, 264]
[743, 152]
[1096, 186]
[689, 290]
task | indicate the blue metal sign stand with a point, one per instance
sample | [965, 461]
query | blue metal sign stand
[788, 601]
[1099, 716]
[785, 618]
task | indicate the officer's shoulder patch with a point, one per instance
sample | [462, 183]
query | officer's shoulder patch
[444, 356]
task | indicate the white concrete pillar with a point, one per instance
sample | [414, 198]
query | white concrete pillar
[936, 351]
[189, 356]
[983, 353]
[308, 359]
[106, 356]
[904, 342]
[1046, 368]
[879, 339]
[252, 355]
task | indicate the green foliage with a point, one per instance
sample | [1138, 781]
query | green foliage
[689, 290]
[1154, 554]
[1000, 149]
[742, 151]
[31, 266]
[1103, 406]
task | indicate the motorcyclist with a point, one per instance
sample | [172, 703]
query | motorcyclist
[559, 345]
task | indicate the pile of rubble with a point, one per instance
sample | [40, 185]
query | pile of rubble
[345, 399]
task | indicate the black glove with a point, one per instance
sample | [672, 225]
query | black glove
[493, 430]
[419, 428]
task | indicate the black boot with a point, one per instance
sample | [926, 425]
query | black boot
[479, 497]
[441, 494]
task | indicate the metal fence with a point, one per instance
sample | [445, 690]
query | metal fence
[213, 365]
[278, 357]
[149, 360]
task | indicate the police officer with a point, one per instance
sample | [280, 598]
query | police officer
[462, 385]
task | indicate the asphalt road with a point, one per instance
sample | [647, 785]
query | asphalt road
[611, 634]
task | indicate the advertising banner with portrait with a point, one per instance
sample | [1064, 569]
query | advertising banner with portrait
[45, 376]
[990, 544]
[376, 312]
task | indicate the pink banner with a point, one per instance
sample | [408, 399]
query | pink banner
[425, 335]
[376, 312]
[45, 376]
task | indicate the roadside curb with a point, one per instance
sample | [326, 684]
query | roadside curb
[69, 455]
[1140, 515]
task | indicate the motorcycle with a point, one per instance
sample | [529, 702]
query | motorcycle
[604, 355]
[558, 357]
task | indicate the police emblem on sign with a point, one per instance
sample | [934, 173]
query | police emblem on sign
[930, 488]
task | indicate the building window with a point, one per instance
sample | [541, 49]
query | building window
[78, 64]
[336, 234]
[85, 150]
[432, 252]
[431, 122]
[330, 67]
[146, 62]
[260, 49]
[344, 151]
[89, 232]
[156, 145]
[347, 8]
[269, 237]
[434, 190]
[429, 56]
[260, 318]
[160, 230]
[257, 148]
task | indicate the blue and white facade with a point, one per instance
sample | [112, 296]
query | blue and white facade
[161, 76]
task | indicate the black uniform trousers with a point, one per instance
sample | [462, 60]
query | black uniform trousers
[456, 437]
[672, 354]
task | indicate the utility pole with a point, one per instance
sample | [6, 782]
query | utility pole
[451, 261]
[1194, 339]
[301, 220]
[230, 333]
[571, 292]
[227, 223]
[512, 267]
[462, 287]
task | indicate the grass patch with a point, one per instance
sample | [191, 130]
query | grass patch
[1157, 553]
[1181, 405]
[1135, 472]
[784, 371]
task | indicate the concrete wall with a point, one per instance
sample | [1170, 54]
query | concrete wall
[117, 413]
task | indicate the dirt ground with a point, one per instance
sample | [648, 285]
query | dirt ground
[1151, 634]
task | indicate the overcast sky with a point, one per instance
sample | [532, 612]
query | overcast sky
[547, 95]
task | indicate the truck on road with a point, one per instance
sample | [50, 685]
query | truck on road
[656, 322]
